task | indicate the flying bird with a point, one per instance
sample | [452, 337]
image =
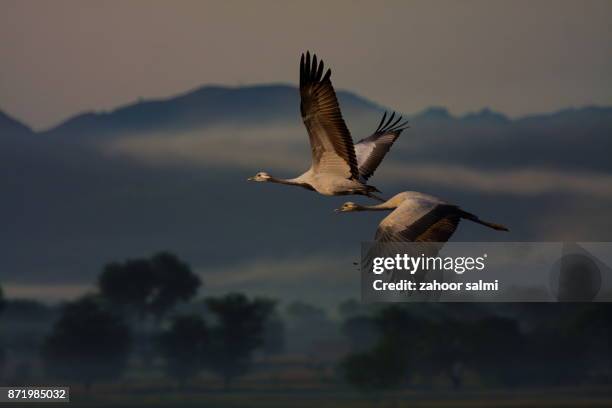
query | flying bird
[415, 217]
[338, 167]
[418, 217]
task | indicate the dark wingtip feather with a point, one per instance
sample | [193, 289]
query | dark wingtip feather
[302, 69]
[391, 124]
[395, 123]
[327, 75]
[403, 126]
[381, 122]
[389, 121]
[312, 68]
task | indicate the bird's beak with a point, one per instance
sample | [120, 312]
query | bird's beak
[337, 210]
[251, 179]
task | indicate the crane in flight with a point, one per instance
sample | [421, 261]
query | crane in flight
[339, 167]
[418, 217]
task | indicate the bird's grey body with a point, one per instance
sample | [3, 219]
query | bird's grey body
[338, 167]
[330, 186]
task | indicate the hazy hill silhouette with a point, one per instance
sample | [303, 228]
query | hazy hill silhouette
[571, 138]
[12, 127]
[204, 107]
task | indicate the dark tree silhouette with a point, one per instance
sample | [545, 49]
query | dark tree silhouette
[386, 365]
[575, 346]
[594, 327]
[237, 334]
[142, 288]
[184, 347]
[174, 281]
[496, 349]
[129, 286]
[148, 286]
[361, 331]
[444, 348]
[87, 344]
[397, 344]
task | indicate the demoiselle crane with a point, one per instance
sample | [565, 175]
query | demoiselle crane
[418, 218]
[338, 167]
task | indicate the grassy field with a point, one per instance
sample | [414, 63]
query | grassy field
[117, 396]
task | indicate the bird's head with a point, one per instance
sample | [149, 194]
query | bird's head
[348, 206]
[261, 176]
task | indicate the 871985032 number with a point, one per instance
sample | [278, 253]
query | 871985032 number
[34, 394]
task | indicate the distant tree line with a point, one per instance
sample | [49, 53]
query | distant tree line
[146, 310]
[551, 344]
[94, 336]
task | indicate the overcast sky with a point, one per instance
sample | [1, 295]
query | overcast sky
[58, 58]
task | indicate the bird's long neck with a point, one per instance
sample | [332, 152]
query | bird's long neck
[289, 182]
[386, 206]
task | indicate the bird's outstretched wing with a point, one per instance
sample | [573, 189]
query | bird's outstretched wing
[372, 150]
[437, 225]
[330, 139]
[428, 233]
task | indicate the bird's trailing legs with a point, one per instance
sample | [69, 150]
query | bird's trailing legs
[374, 196]
[369, 192]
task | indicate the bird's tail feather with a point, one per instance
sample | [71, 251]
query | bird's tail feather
[474, 218]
